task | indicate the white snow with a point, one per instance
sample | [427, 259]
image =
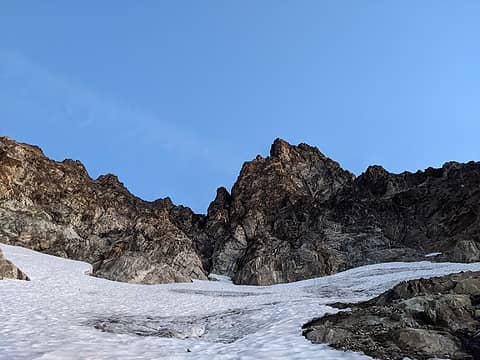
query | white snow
[59, 313]
[216, 277]
[433, 254]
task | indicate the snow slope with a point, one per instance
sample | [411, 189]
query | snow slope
[63, 313]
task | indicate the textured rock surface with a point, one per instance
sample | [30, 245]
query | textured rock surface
[418, 319]
[296, 214]
[273, 230]
[55, 207]
[293, 215]
[9, 270]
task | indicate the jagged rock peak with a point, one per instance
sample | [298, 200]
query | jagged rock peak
[110, 180]
[281, 148]
[374, 180]
[6, 142]
[164, 202]
[221, 203]
[376, 170]
[223, 195]
[75, 163]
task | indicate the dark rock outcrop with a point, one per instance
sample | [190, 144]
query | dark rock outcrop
[293, 215]
[274, 227]
[418, 319]
[297, 214]
[9, 271]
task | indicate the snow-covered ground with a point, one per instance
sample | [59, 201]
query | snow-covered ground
[63, 313]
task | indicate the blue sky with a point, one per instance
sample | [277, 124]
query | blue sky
[173, 96]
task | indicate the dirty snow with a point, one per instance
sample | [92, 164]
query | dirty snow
[63, 313]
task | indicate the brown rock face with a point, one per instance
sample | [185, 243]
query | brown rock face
[270, 236]
[290, 216]
[298, 214]
[55, 207]
[9, 270]
[418, 319]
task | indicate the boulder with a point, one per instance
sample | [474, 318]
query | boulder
[9, 271]
[418, 319]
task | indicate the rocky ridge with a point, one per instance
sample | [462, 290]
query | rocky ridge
[419, 319]
[293, 215]
[297, 214]
[56, 208]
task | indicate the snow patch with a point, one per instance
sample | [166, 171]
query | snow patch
[222, 278]
[62, 313]
[433, 254]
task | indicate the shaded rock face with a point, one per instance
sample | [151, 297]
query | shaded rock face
[9, 270]
[272, 227]
[56, 208]
[297, 214]
[418, 319]
[436, 210]
[293, 215]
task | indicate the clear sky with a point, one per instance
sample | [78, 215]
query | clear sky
[173, 96]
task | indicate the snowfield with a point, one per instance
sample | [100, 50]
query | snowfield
[63, 313]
